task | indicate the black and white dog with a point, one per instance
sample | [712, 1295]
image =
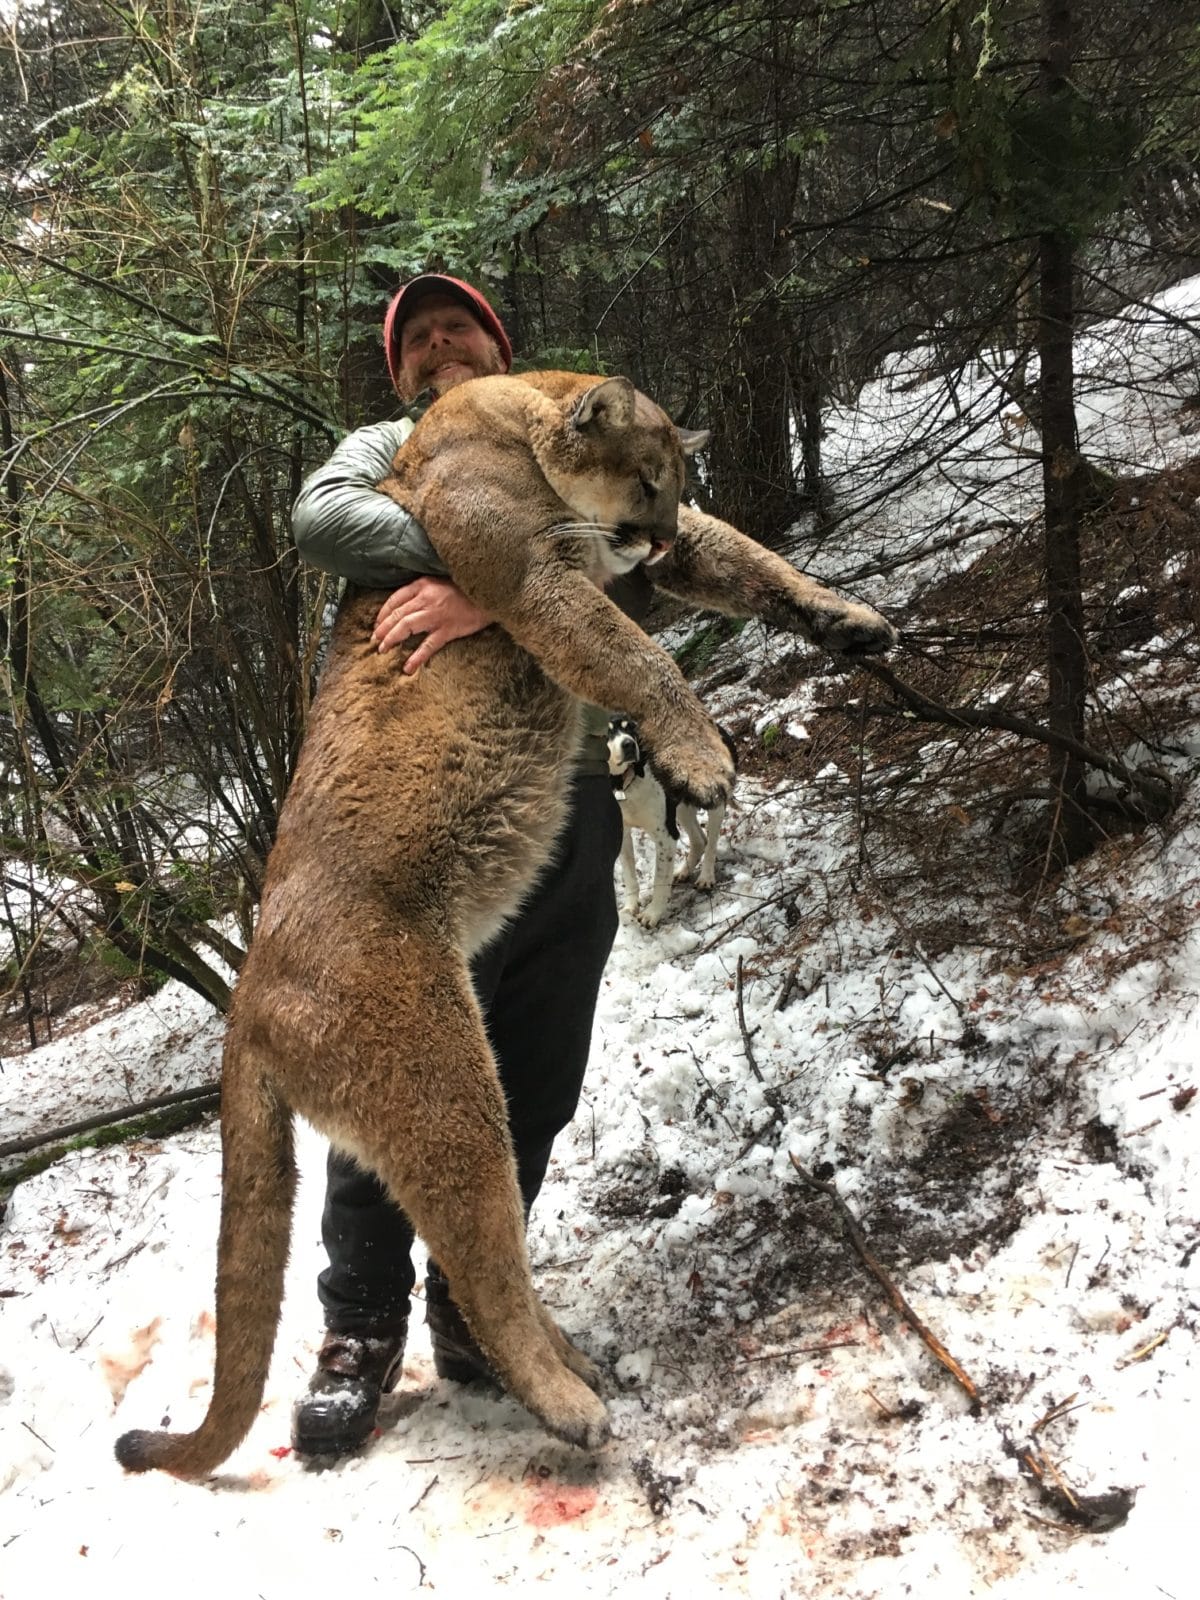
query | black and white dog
[647, 805]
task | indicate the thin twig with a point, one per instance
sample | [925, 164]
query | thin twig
[1140, 1355]
[800, 1350]
[770, 1095]
[1044, 1462]
[83, 1339]
[423, 1493]
[928, 965]
[724, 929]
[899, 1304]
[1060, 1410]
[789, 983]
[741, 1016]
[1157, 788]
[887, 1410]
[720, 1105]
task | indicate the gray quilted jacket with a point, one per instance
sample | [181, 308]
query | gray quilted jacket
[342, 524]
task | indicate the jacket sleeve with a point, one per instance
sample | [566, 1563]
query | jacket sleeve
[342, 524]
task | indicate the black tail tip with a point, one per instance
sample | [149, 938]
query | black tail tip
[135, 1450]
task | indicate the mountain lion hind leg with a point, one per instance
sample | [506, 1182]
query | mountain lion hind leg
[437, 1135]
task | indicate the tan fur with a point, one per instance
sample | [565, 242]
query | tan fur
[421, 810]
[715, 567]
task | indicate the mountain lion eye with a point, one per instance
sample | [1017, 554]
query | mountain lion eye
[648, 489]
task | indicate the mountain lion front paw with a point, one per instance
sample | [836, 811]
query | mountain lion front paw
[697, 768]
[854, 629]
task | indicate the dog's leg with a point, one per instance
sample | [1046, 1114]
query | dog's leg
[707, 876]
[664, 859]
[629, 874]
[690, 823]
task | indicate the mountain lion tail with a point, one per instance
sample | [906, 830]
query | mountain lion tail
[258, 1183]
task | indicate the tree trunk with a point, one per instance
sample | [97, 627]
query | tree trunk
[808, 405]
[753, 478]
[751, 457]
[1062, 480]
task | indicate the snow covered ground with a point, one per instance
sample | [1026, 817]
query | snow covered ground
[1018, 1140]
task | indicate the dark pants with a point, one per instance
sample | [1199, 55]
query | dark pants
[537, 984]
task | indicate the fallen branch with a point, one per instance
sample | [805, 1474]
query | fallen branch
[208, 1093]
[771, 1096]
[1157, 789]
[899, 1304]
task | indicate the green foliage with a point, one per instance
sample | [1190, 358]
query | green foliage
[195, 894]
[166, 299]
[1032, 163]
[1036, 166]
[105, 954]
[437, 118]
[698, 651]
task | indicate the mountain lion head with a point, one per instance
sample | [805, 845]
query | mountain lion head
[618, 461]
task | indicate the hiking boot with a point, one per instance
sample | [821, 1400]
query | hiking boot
[455, 1354]
[354, 1372]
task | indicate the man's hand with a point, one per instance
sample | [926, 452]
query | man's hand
[432, 606]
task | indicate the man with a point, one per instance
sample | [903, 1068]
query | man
[537, 983]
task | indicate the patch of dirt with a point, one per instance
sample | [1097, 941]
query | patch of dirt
[959, 1194]
[654, 1195]
[808, 1256]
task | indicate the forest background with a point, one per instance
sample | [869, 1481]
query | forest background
[750, 208]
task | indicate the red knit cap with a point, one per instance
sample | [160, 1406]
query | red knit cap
[416, 290]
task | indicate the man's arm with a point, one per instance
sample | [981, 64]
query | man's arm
[713, 566]
[342, 524]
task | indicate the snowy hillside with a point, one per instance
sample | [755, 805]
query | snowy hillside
[1016, 1135]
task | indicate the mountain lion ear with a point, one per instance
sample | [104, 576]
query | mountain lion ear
[693, 439]
[607, 407]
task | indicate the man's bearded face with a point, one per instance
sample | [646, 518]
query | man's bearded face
[441, 344]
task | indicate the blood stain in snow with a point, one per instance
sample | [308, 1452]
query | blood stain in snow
[556, 1503]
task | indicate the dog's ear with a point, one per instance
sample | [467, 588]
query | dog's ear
[693, 440]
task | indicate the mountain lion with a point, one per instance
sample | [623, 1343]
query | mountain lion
[421, 811]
